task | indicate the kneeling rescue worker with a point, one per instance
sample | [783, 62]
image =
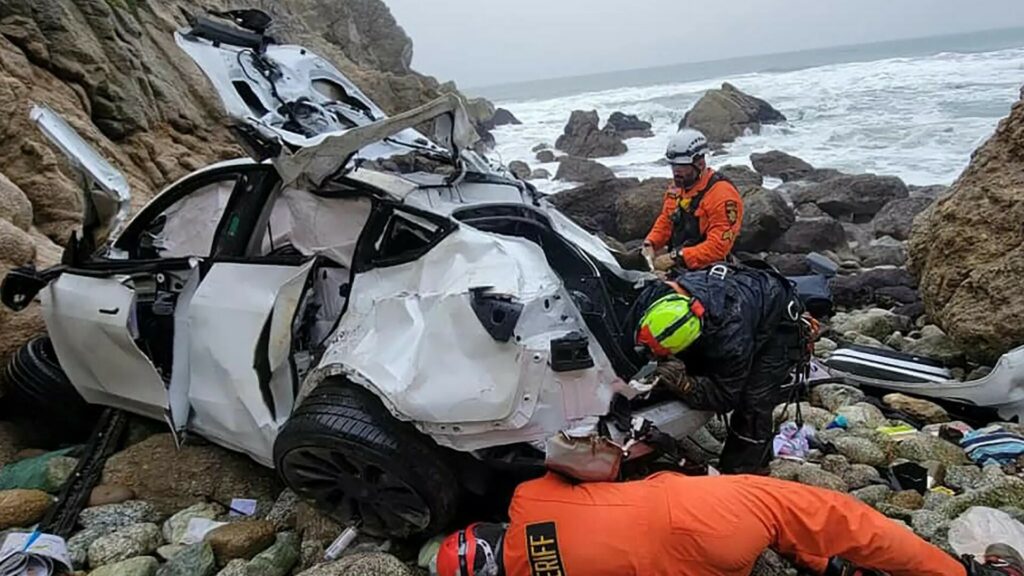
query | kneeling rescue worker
[670, 524]
[726, 339]
[702, 213]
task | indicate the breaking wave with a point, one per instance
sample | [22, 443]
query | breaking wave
[917, 118]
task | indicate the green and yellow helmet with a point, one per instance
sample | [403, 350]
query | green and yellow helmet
[670, 325]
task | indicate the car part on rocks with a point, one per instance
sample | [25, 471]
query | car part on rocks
[42, 401]
[343, 449]
[74, 495]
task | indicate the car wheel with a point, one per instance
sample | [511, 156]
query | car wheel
[342, 449]
[41, 400]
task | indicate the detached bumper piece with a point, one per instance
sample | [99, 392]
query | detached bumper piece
[571, 352]
[498, 313]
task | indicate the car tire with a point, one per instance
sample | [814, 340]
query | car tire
[342, 449]
[40, 399]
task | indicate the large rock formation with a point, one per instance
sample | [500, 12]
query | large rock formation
[778, 164]
[968, 248]
[575, 169]
[584, 138]
[630, 126]
[112, 69]
[897, 217]
[622, 208]
[726, 114]
[856, 197]
[766, 216]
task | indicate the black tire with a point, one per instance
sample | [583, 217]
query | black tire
[342, 449]
[42, 402]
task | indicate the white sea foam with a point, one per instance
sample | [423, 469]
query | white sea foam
[917, 118]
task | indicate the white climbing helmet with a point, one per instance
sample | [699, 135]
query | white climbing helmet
[685, 146]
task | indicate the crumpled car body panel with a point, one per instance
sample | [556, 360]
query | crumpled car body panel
[411, 336]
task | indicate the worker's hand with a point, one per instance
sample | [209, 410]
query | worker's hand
[647, 250]
[672, 373]
[664, 262]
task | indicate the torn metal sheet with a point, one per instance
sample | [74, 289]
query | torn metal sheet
[107, 195]
[227, 317]
[177, 392]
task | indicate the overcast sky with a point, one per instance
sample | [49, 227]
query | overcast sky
[483, 42]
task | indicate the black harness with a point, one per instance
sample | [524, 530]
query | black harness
[685, 224]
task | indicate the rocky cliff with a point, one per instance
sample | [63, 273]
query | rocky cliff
[112, 69]
[968, 249]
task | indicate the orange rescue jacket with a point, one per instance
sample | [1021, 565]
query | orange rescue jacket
[669, 524]
[720, 213]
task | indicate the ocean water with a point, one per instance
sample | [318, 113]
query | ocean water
[915, 116]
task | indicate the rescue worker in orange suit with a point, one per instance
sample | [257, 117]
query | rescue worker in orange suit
[702, 213]
[670, 524]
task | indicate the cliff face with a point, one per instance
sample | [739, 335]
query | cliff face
[968, 248]
[112, 69]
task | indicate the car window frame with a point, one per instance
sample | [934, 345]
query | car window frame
[128, 240]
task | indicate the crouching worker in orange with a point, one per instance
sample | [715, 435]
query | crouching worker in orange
[702, 213]
[670, 524]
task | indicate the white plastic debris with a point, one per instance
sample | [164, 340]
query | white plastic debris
[975, 529]
[198, 528]
[341, 543]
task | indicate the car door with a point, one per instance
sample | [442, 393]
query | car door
[110, 315]
[248, 308]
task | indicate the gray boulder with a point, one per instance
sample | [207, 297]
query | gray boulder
[582, 137]
[519, 169]
[966, 477]
[540, 174]
[361, 564]
[193, 560]
[128, 542]
[809, 235]
[924, 410]
[138, 566]
[872, 495]
[874, 322]
[885, 251]
[789, 264]
[575, 169]
[726, 114]
[766, 217]
[815, 476]
[920, 447]
[741, 176]
[114, 516]
[934, 343]
[778, 164]
[930, 525]
[860, 476]
[860, 450]
[856, 198]
[896, 218]
[812, 415]
[862, 415]
[629, 126]
[834, 396]
[1005, 491]
[545, 156]
[870, 287]
[501, 117]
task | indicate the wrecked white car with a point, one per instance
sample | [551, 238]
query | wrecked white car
[385, 340]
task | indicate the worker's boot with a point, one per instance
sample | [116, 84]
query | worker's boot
[1004, 559]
